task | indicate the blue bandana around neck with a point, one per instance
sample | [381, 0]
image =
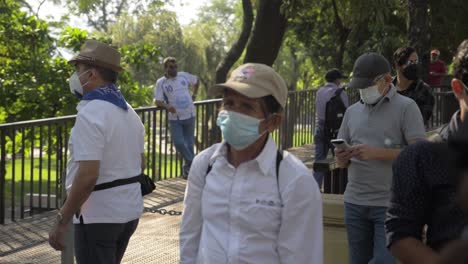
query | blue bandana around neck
[108, 93]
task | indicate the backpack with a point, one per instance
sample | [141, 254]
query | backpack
[334, 113]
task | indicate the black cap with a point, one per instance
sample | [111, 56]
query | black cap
[334, 74]
[366, 68]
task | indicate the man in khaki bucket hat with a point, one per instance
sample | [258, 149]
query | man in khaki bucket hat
[260, 205]
[104, 198]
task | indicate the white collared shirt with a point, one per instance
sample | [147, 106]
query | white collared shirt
[236, 215]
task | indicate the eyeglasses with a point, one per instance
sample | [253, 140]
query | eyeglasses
[409, 62]
[378, 78]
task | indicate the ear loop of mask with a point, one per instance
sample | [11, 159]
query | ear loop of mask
[89, 70]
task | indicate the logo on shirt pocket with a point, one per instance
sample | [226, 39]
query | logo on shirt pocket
[268, 203]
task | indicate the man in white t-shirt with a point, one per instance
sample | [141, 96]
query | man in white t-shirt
[172, 93]
[106, 148]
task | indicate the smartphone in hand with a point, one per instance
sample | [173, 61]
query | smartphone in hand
[340, 143]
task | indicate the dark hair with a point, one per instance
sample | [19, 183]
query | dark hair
[401, 55]
[272, 106]
[169, 59]
[107, 75]
[460, 62]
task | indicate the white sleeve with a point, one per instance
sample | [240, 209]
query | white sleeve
[192, 79]
[190, 228]
[88, 137]
[158, 90]
[300, 238]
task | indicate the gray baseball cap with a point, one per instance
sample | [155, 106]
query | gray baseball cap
[366, 68]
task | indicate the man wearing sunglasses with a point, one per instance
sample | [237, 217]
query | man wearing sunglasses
[377, 128]
[172, 93]
[409, 83]
[424, 189]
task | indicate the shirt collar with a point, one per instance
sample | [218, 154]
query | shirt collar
[265, 159]
[391, 93]
[331, 84]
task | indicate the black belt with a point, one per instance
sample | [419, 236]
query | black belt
[119, 182]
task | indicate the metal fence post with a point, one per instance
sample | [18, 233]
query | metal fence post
[68, 253]
[2, 175]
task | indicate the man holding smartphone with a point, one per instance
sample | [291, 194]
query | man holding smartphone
[376, 128]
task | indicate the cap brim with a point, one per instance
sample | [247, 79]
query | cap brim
[242, 88]
[360, 83]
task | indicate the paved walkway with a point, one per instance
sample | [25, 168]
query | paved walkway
[156, 239]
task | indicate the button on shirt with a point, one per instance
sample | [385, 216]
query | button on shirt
[236, 215]
[175, 91]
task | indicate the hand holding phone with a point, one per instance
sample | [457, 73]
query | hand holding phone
[340, 143]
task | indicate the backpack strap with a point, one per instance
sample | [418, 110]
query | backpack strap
[279, 158]
[339, 91]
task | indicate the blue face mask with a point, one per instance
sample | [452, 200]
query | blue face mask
[239, 130]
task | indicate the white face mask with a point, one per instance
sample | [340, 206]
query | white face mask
[75, 84]
[370, 95]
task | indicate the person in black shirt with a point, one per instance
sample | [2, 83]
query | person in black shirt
[423, 192]
[409, 83]
[456, 252]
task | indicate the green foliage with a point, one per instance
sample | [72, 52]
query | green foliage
[208, 39]
[101, 14]
[359, 26]
[31, 79]
[149, 37]
[448, 22]
[72, 38]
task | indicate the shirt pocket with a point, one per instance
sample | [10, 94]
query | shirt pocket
[393, 136]
[262, 215]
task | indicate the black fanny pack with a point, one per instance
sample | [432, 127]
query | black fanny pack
[147, 185]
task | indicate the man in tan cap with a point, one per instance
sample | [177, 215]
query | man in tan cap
[245, 200]
[104, 198]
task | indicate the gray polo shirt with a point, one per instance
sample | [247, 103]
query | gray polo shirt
[391, 123]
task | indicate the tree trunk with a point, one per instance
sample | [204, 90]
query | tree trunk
[343, 34]
[291, 113]
[267, 36]
[419, 36]
[238, 47]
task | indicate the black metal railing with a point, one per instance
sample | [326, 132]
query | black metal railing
[33, 154]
